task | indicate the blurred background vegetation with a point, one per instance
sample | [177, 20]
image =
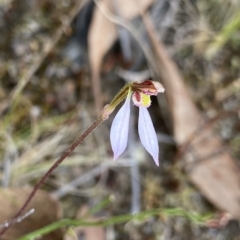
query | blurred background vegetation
[47, 100]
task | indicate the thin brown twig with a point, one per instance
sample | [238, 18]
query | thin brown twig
[19, 219]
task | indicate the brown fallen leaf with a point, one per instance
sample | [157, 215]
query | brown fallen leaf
[208, 163]
[103, 33]
[46, 211]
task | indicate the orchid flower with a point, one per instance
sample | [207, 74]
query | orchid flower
[140, 93]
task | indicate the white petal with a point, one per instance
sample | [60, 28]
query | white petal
[119, 129]
[147, 133]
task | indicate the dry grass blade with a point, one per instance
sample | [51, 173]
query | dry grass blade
[223, 37]
[217, 176]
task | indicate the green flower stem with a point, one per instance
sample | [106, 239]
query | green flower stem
[142, 216]
[121, 95]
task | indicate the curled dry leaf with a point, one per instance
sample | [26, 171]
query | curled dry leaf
[103, 33]
[47, 211]
[209, 165]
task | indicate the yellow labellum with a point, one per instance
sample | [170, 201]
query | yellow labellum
[145, 100]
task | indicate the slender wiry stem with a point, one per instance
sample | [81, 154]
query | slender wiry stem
[108, 109]
[100, 119]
